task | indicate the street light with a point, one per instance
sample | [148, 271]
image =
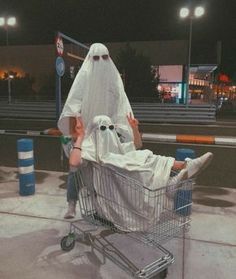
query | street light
[7, 22]
[186, 12]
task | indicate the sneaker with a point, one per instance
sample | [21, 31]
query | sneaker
[182, 175]
[71, 210]
[195, 166]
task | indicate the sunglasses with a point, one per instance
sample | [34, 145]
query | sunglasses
[103, 127]
[97, 57]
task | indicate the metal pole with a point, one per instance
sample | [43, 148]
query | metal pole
[9, 90]
[7, 35]
[8, 73]
[58, 96]
[189, 59]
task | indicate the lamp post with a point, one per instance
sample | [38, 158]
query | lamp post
[7, 22]
[191, 14]
[9, 79]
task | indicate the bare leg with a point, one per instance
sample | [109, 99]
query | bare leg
[179, 165]
[194, 166]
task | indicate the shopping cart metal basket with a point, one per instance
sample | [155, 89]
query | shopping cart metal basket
[143, 218]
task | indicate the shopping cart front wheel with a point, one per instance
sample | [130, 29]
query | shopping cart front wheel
[68, 242]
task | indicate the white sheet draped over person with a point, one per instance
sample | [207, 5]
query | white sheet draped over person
[103, 146]
[131, 209]
[97, 90]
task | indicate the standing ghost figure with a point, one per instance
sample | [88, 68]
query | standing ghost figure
[97, 90]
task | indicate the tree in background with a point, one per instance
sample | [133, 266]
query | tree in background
[135, 69]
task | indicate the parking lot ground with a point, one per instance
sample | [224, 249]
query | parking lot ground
[33, 226]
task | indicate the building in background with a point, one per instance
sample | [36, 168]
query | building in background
[169, 58]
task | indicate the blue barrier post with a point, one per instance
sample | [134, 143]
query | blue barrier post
[26, 166]
[183, 198]
[183, 153]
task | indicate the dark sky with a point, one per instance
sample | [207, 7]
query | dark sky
[121, 20]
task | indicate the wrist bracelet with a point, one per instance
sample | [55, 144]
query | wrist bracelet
[76, 147]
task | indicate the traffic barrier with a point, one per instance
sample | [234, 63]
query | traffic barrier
[22, 132]
[26, 167]
[49, 132]
[194, 139]
[52, 132]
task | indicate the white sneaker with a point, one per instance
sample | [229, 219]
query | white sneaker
[71, 210]
[182, 175]
[195, 166]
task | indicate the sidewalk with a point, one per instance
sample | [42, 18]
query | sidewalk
[32, 228]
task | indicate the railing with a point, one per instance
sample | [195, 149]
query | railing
[145, 112]
[28, 110]
[174, 113]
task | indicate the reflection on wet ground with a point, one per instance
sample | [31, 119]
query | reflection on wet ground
[213, 202]
[64, 178]
[205, 196]
[210, 190]
[40, 176]
[6, 176]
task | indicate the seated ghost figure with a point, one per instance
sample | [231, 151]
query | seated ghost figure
[102, 146]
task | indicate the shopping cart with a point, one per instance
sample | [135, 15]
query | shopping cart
[137, 217]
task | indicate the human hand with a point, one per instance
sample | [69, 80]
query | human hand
[79, 129]
[133, 122]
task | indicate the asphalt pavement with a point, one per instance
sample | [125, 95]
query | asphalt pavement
[32, 228]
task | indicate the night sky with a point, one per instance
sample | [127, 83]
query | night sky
[91, 21]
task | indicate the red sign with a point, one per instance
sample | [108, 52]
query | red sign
[59, 46]
[224, 78]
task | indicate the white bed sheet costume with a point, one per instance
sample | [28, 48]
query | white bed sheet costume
[97, 90]
[98, 96]
[133, 209]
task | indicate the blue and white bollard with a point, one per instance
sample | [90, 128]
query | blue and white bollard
[26, 166]
[183, 198]
[183, 153]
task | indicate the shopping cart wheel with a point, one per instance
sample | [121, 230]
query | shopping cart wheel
[68, 242]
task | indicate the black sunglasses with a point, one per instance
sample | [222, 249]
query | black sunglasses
[97, 57]
[103, 127]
